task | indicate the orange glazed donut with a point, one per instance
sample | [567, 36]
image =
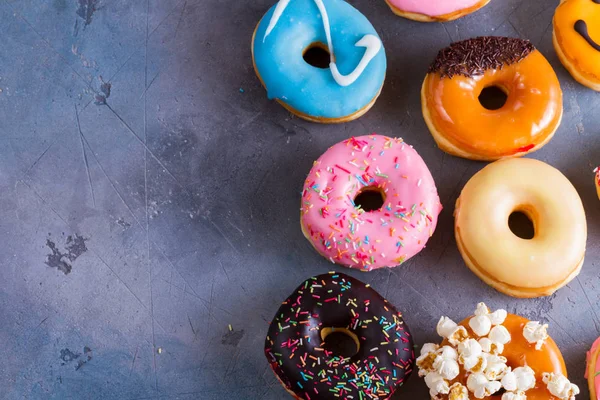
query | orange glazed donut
[597, 180]
[576, 39]
[460, 79]
[494, 356]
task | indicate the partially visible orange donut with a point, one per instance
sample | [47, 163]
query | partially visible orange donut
[597, 180]
[520, 353]
[494, 356]
[576, 39]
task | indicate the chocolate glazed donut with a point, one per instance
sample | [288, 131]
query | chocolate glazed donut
[297, 350]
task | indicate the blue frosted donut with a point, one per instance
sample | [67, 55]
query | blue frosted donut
[342, 92]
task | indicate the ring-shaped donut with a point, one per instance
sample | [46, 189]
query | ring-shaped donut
[342, 92]
[520, 353]
[592, 371]
[576, 39]
[435, 10]
[513, 265]
[454, 92]
[388, 232]
[296, 349]
[597, 180]
[495, 355]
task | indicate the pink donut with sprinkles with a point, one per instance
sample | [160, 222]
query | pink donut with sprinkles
[369, 202]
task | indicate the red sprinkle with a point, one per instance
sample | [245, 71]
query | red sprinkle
[343, 169]
[524, 148]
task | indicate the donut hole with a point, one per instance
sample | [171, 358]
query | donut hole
[493, 98]
[317, 55]
[521, 225]
[370, 198]
[340, 341]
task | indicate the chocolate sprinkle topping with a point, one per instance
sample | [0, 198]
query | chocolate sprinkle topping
[473, 57]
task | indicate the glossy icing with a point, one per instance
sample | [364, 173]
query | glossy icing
[581, 51]
[358, 59]
[372, 44]
[369, 240]
[597, 180]
[593, 365]
[519, 353]
[433, 8]
[515, 266]
[279, 9]
[529, 118]
[582, 28]
[294, 345]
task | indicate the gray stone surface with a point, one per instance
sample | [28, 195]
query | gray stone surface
[174, 201]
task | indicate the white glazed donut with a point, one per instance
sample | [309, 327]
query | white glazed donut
[515, 266]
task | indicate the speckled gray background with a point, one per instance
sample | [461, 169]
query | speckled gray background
[174, 200]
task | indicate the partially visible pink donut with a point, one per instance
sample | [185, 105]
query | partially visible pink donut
[435, 10]
[378, 172]
[597, 179]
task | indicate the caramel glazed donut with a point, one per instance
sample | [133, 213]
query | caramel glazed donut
[298, 353]
[494, 356]
[513, 265]
[455, 88]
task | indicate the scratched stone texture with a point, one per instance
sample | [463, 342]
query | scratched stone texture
[149, 197]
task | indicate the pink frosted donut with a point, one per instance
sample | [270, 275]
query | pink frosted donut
[592, 370]
[435, 10]
[369, 202]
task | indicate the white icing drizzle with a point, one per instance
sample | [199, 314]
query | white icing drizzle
[325, 18]
[279, 9]
[371, 43]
